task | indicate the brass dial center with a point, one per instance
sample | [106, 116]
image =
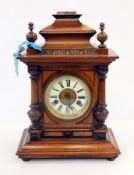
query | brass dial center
[67, 96]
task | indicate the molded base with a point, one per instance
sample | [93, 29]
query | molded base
[68, 147]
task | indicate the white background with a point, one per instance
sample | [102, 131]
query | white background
[118, 16]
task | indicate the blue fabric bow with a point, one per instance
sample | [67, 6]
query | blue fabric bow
[20, 49]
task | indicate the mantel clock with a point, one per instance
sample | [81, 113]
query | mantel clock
[68, 108]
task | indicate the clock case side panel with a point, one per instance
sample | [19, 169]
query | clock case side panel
[74, 128]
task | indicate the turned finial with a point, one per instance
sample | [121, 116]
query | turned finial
[31, 36]
[102, 36]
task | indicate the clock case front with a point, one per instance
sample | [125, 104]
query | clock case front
[67, 51]
[80, 126]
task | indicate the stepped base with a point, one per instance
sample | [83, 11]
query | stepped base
[68, 148]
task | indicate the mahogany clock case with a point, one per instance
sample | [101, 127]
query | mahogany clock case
[67, 51]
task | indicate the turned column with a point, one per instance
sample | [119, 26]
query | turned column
[35, 113]
[100, 110]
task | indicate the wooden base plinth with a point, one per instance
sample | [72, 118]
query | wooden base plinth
[68, 148]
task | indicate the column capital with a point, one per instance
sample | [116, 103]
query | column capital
[34, 72]
[102, 70]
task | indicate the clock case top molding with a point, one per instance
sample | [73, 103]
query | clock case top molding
[68, 51]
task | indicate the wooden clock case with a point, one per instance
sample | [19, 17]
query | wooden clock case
[67, 51]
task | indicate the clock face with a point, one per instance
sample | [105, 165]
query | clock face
[67, 97]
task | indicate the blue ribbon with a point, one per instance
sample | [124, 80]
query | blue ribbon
[20, 49]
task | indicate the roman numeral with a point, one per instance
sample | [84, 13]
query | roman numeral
[81, 97]
[79, 103]
[68, 83]
[55, 102]
[69, 109]
[60, 108]
[53, 96]
[61, 84]
[55, 89]
[72, 109]
[75, 85]
[80, 90]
